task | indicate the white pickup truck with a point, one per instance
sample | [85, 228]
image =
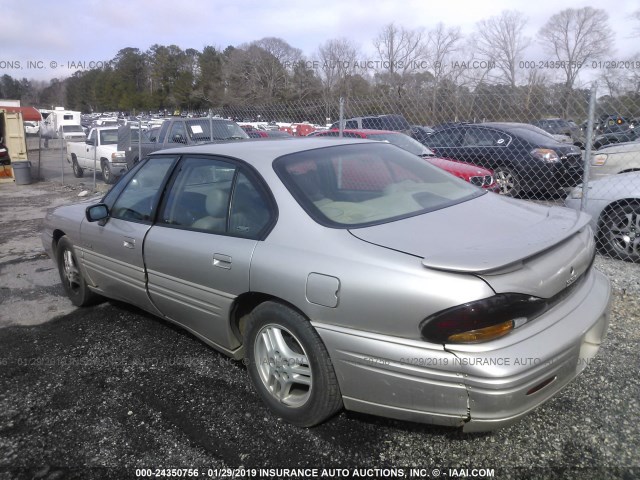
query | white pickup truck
[100, 149]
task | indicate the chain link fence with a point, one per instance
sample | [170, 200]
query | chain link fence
[579, 151]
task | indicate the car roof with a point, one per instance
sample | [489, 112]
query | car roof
[505, 125]
[363, 131]
[257, 151]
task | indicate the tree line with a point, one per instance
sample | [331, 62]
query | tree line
[439, 66]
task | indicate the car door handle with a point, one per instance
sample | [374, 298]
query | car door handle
[129, 243]
[222, 261]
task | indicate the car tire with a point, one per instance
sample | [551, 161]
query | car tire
[507, 180]
[108, 177]
[73, 282]
[78, 172]
[289, 366]
[619, 233]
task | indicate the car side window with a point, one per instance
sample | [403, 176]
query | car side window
[92, 136]
[446, 138]
[204, 197]
[495, 138]
[250, 212]
[483, 137]
[199, 198]
[351, 124]
[178, 133]
[139, 196]
[373, 123]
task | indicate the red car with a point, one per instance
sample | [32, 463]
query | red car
[267, 134]
[474, 174]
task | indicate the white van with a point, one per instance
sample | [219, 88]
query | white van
[54, 120]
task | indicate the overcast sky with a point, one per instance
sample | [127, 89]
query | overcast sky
[52, 34]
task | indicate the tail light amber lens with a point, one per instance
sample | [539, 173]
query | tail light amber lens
[482, 320]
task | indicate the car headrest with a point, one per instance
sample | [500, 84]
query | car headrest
[217, 202]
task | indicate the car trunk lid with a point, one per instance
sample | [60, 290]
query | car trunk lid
[516, 246]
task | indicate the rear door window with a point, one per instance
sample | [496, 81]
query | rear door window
[450, 137]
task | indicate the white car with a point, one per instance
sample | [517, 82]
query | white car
[31, 128]
[614, 205]
[618, 158]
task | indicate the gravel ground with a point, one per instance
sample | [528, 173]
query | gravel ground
[102, 391]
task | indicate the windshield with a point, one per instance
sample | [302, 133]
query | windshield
[360, 185]
[198, 130]
[533, 134]
[403, 141]
[72, 128]
[109, 137]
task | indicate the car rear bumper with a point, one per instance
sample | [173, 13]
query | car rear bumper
[480, 387]
[118, 168]
[541, 367]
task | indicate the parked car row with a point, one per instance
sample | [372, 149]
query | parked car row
[478, 176]
[566, 130]
[524, 158]
[511, 159]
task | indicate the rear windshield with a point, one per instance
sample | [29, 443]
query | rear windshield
[387, 122]
[360, 185]
[109, 137]
[533, 134]
[198, 130]
[403, 141]
[72, 128]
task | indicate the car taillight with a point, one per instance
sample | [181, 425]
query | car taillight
[599, 159]
[482, 320]
[545, 155]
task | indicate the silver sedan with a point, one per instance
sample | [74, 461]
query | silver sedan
[613, 202]
[348, 274]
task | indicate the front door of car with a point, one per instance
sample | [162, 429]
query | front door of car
[198, 254]
[88, 158]
[112, 250]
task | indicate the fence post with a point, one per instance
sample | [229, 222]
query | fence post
[62, 151]
[139, 141]
[587, 150]
[210, 125]
[39, 146]
[95, 157]
[341, 117]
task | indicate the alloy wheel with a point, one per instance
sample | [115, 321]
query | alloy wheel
[283, 365]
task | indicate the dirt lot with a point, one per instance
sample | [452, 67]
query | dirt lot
[103, 391]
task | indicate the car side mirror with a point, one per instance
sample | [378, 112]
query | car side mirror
[90, 141]
[95, 213]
